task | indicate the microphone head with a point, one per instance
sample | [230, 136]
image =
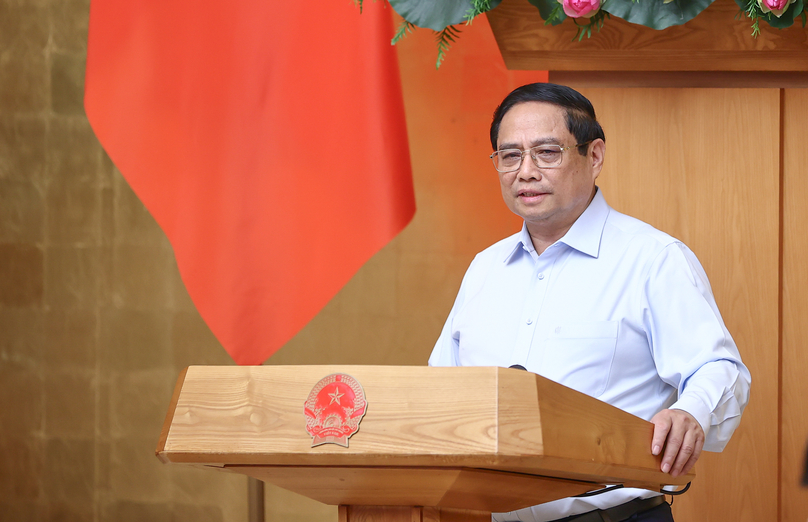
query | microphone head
[518, 367]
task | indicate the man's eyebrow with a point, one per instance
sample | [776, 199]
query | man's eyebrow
[539, 141]
[550, 140]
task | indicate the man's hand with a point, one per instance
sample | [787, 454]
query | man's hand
[679, 434]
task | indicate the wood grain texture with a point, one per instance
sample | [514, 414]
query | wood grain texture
[416, 415]
[259, 410]
[496, 419]
[712, 41]
[702, 165]
[682, 79]
[454, 515]
[599, 434]
[379, 514]
[794, 423]
[502, 492]
[412, 514]
[446, 488]
[518, 400]
[161, 444]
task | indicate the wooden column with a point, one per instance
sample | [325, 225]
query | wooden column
[794, 319]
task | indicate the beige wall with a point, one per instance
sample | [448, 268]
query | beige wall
[95, 323]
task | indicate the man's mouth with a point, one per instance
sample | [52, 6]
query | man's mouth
[530, 193]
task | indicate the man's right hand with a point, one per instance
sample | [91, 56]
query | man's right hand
[680, 435]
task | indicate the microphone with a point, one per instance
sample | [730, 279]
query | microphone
[518, 367]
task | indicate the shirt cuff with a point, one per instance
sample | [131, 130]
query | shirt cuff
[697, 409]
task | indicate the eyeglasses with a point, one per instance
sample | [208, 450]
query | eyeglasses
[546, 156]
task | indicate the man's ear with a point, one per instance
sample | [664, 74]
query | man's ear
[597, 153]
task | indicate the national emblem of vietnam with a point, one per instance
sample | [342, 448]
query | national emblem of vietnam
[334, 408]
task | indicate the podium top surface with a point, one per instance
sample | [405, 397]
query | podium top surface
[473, 417]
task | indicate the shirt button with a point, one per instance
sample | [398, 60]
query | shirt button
[529, 321]
[541, 275]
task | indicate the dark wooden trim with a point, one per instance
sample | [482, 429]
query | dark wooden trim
[715, 40]
[682, 79]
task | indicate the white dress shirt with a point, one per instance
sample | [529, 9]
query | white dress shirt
[615, 309]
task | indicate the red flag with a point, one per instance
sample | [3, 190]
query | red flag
[268, 141]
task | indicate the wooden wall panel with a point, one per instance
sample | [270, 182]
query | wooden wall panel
[702, 165]
[794, 426]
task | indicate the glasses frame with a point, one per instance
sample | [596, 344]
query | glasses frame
[522, 159]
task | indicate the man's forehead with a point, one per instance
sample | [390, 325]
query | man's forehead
[533, 123]
[536, 106]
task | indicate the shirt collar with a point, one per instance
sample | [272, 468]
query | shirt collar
[523, 244]
[584, 235]
[587, 231]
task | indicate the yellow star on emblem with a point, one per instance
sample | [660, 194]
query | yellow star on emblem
[335, 396]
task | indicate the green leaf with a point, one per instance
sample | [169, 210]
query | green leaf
[445, 39]
[403, 30]
[436, 15]
[655, 14]
[750, 9]
[550, 11]
[585, 27]
[478, 7]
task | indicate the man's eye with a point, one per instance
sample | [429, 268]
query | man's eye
[545, 152]
[510, 155]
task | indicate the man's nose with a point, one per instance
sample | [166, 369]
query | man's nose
[528, 169]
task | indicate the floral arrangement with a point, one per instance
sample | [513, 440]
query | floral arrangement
[446, 16]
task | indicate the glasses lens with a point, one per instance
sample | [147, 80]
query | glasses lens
[508, 160]
[546, 155]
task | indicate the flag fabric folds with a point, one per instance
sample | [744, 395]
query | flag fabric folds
[268, 141]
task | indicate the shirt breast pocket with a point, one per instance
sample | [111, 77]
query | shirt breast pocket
[580, 355]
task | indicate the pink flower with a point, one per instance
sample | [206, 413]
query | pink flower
[777, 7]
[588, 8]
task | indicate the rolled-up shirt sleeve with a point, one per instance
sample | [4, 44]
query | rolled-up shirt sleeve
[692, 349]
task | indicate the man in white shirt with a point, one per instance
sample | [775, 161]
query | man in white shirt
[595, 300]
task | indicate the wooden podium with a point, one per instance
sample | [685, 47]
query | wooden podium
[434, 444]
